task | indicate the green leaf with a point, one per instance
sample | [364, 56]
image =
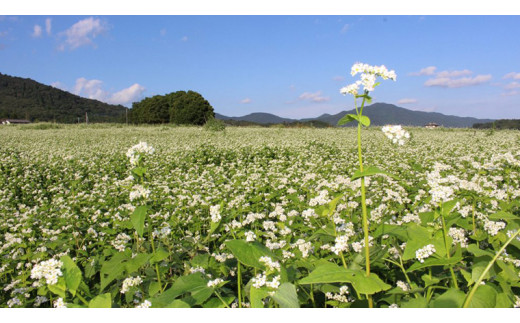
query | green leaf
[249, 253]
[177, 304]
[72, 274]
[419, 302]
[370, 171]
[134, 264]
[194, 284]
[475, 250]
[256, 296]
[430, 262]
[286, 296]
[138, 218]
[159, 255]
[59, 288]
[448, 206]
[450, 299]
[347, 118]
[364, 120]
[501, 215]
[332, 273]
[485, 297]
[101, 301]
[112, 269]
[154, 288]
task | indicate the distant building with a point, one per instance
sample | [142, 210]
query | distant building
[14, 121]
[431, 125]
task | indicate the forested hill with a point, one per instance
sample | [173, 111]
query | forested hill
[27, 99]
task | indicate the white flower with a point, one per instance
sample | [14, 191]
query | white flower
[139, 192]
[493, 227]
[50, 270]
[250, 236]
[135, 152]
[425, 252]
[130, 282]
[259, 280]
[404, 286]
[214, 283]
[341, 244]
[214, 211]
[59, 303]
[396, 133]
[269, 263]
[145, 304]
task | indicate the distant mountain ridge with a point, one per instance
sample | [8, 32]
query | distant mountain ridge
[379, 113]
[23, 98]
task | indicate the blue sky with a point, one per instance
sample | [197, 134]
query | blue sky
[292, 66]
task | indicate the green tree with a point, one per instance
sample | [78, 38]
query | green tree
[190, 108]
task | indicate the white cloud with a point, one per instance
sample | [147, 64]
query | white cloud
[185, 38]
[407, 101]
[512, 86]
[82, 33]
[512, 75]
[430, 70]
[93, 89]
[128, 95]
[59, 85]
[48, 26]
[338, 78]
[163, 32]
[314, 97]
[37, 31]
[456, 83]
[245, 101]
[345, 28]
[453, 73]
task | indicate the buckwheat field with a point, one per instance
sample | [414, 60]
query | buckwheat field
[117, 216]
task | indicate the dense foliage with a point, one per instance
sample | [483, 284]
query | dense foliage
[499, 124]
[256, 217]
[177, 107]
[27, 99]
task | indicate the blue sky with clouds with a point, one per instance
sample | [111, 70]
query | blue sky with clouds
[292, 66]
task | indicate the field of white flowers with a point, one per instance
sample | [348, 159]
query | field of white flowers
[116, 216]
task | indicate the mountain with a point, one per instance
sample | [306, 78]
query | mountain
[22, 98]
[258, 117]
[381, 114]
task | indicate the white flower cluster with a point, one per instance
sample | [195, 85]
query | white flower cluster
[321, 199]
[261, 280]
[341, 244]
[440, 194]
[145, 304]
[130, 282]
[341, 297]
[368, 77]
[404, 286]
[215, 282]
[120, 242]
[304, 247]
[59, 303]
[493, 227]
[458, 236]
[250, 236]
[50, 270]
[425, 252]
[396, 133]
[138, 192]
[270, 264]
[135, 152]
[214, 211]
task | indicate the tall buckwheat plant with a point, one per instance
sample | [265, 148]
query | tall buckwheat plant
[368, 77]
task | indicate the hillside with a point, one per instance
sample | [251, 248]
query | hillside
[27, 99]
[379, 114]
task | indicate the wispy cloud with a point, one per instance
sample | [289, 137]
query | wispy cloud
[512, 75]
[313, 97]
[449, 82]
[345, 28]
[185, 38]
[407, 101]
[93, 89]
[245, 101]
[37, 31]
[162, 32]
[48, 26]
[338, 78]
[430, 70]
[82, 33]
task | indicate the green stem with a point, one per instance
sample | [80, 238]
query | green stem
[363, 199]
[83, 300]
[481, 278]
[219, 297]
[455, 284]
[156, 265]
[239, 282]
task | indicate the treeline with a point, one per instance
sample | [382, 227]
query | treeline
[499, 124]
[27, 99]
[179, 107]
